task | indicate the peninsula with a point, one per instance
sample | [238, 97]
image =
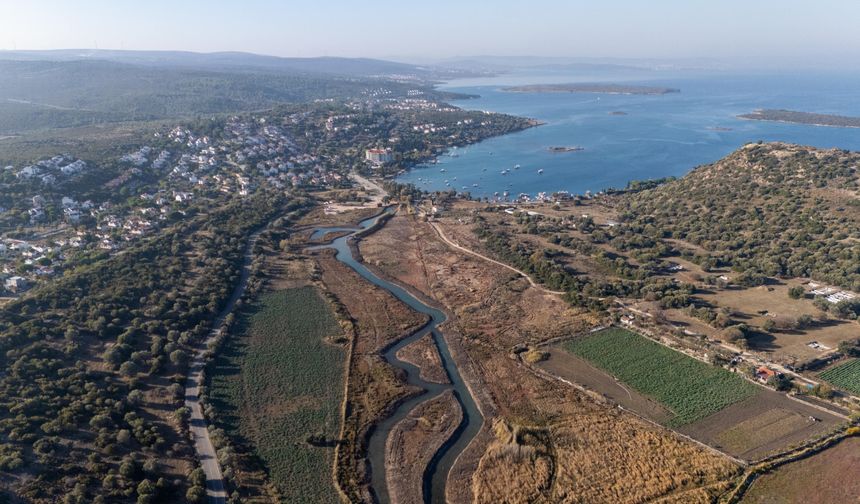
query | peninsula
[794, 117]
[591, 88]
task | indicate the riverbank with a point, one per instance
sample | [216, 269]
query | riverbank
[436, 475]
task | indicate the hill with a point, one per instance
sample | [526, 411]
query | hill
[234, 61]
[767, 209]
[40, 94]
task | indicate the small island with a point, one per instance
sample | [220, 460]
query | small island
[565, 149]
[591, 88]
[794, 117]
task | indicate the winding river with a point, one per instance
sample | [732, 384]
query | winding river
[436, 473]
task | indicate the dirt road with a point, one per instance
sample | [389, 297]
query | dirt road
[215, 491]
[374, 191]
[482, 256]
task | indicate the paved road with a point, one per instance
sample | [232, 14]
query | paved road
[482, 256]
[203, 447]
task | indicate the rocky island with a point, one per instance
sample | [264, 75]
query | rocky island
[591, 88]
[794, 117]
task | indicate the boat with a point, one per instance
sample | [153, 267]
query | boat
[442, 170]
[540, 172]
[474, 185]
[516, 167]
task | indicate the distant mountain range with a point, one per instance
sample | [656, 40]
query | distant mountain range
[236, 61]
[49, 89]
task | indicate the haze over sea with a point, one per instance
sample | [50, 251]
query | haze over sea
[660, 135]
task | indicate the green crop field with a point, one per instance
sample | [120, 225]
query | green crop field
[691, 389]
[845, 376]
[278, 382]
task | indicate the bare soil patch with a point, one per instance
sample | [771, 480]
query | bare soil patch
[742, 430]
[413, 442]
[589, 450]
[571, 367]
[423, 354]
[829, 477]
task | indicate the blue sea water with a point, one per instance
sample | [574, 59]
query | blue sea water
[660, 135]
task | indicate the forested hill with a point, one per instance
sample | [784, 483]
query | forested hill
[50, 94]
[766, 209]
[231, 61]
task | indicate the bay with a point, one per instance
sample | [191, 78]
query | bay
[657, 136]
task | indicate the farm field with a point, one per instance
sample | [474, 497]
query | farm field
[278, 382]
[691, 389]
[825, 478]
[845, 376]
[766, 423]
[762, 423]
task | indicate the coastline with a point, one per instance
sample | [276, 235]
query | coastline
[800, 123]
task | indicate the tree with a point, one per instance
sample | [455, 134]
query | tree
[195, 494]
[135, 396]
[123, 436]
[734, 334]
[197, 477]
[823, 391]
[796, 292]
[780, 382]
[178, 357]
[129, 368]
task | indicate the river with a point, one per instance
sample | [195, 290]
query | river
[436, 474]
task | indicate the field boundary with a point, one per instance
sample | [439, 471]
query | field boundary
[745, 482]
[600, 398]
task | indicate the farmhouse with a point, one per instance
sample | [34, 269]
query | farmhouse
[764, 373]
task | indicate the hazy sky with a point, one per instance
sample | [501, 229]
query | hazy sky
[748, 29]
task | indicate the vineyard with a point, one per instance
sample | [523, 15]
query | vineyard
[845, 376]
[691, 389]
[280, 383]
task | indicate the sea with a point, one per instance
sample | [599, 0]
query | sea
[657, 136]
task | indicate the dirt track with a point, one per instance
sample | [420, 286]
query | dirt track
[197, 427]
[534, 284]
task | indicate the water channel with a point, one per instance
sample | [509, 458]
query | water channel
[436, 473]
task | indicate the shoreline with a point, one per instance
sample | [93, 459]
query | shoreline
[804, 118]
[800, 123]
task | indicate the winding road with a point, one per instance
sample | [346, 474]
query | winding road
[489, 259]
[216, 492]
